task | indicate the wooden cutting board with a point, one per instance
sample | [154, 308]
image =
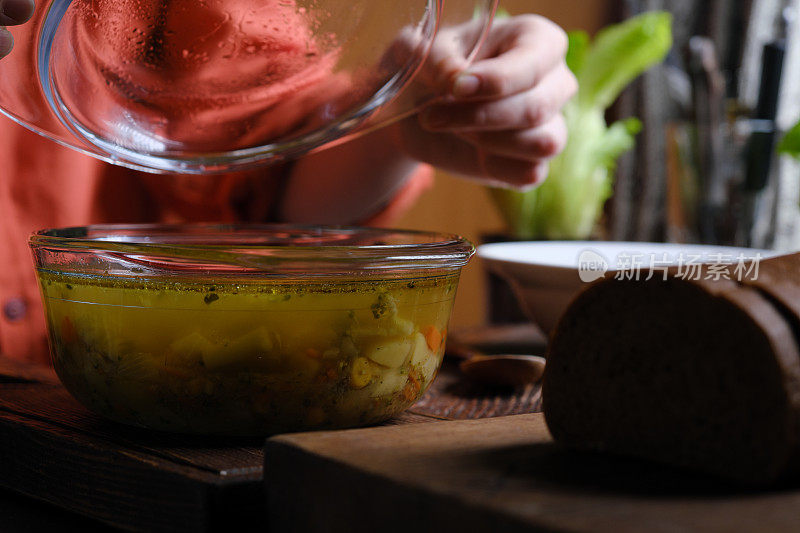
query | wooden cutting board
[500, 474]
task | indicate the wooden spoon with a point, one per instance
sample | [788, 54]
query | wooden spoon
[504, 370]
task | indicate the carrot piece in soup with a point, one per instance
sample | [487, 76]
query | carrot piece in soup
[433, 337]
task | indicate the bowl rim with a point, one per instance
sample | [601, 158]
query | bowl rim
[258, 249]
[488, 251]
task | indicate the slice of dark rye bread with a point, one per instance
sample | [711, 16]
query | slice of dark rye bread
[699, 374]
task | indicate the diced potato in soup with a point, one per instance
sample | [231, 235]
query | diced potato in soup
[391, 352]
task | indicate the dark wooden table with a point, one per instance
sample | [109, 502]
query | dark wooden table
[23, 514]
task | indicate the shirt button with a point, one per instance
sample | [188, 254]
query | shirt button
[14, 309]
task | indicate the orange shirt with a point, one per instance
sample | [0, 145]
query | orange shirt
[43, 185]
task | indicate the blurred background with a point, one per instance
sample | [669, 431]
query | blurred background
[704, 112]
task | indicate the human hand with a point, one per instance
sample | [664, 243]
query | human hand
[500, 121]
[12, 12]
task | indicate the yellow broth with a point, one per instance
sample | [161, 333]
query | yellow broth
[246, 358]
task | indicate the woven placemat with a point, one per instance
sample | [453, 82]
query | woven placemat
[453, 397]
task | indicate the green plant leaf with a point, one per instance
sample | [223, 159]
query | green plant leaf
[620, 53]
[578, 50]
[790, 145]
[619, 138]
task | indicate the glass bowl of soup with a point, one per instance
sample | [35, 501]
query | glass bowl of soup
[247, 330]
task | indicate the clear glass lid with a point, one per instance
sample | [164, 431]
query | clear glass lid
[204, 86]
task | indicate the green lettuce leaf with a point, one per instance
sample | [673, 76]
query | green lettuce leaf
[578, 50]
[790, 145]
[620, 53]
